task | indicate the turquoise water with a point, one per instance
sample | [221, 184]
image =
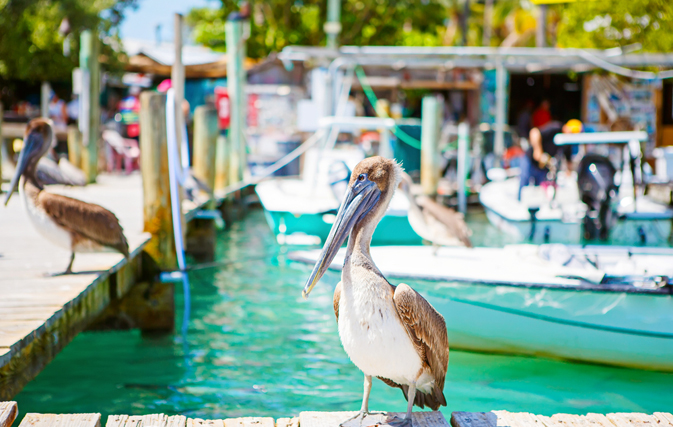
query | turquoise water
[255, 347]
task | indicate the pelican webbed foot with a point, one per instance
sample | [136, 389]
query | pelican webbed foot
[395, 421]
[361, 419]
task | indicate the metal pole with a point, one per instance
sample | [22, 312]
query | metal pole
[385, 147]
[178, 79]
[236, 86]
[463, 143]
[430, 129]
[463, 21]
[499, 143]
[541, 29]
[488, 23]
[333, 25]
[45, 92]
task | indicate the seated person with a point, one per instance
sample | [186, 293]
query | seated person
[534, 164]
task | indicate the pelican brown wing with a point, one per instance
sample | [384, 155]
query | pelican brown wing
[452, 220]
[427, 330]
[337, 298]
[88, 220]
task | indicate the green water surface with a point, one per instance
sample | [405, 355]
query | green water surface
[256, 348]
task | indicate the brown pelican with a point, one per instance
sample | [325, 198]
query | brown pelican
[70, 223]
[434, 222]
[389, 332]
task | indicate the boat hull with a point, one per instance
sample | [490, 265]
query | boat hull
[522, 304]
[623, 329]
[392, 230]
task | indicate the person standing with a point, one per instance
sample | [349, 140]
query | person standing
[535, 164]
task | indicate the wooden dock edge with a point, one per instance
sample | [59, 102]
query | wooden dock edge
[28, 356]
[8, 412]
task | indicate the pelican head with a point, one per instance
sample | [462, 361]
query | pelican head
[37, 140]
[367, 197]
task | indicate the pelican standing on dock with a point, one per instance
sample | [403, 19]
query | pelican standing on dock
[66, 222]
[389, 332]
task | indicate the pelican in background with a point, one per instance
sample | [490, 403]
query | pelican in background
[434, 222]
[66, 222]
[389, 332]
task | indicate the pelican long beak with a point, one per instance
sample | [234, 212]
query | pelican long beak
[31, 144]
[359, 200]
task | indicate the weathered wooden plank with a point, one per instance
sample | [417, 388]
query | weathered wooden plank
[8, 412]
[249, 422]
[333, 419]
[116, 420]
[176, 421]
[198, 422]
[622, 419]
[473, 419]
[60, 420]
[287, 422]
[664, 418]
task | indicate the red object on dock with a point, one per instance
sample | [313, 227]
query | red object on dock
[223, 105]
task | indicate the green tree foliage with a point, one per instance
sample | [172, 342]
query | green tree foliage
[31, 47]
[611, 23]
[279, 23]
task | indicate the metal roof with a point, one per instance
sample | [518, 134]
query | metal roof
[164, 53]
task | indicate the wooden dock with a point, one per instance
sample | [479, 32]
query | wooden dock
[39, 314]
[9, 411]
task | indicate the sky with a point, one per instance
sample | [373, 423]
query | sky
[141, 23]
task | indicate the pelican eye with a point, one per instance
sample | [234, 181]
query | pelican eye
[362, 177]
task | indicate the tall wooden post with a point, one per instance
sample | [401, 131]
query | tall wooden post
[430, 131]
[74, 146]
[200, 242]
[205, 144]
[89, 114]
[158, 220]
[159, 313]
[500, 109]
[221, 164]
[236, 89]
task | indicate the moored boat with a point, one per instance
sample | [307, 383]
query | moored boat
[609, 305]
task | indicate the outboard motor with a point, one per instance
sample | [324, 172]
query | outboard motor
[596, 184]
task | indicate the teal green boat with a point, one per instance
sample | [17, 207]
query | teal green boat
[301, 213]
[596, 304]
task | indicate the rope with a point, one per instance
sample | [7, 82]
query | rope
[369, 93]
[177, 175]
[266, 172]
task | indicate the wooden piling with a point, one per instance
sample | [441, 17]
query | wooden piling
[200, 242]
[205, 144]
[75, 146]
[236, 89]
[158, 220]
[88, 59]
[157, 217]
[221, 164]
[430, 131]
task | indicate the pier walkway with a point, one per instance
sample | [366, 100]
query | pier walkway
[9, 411]
[40, 314]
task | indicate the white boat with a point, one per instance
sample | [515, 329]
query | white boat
[608, 305]
[559, 218]
[617, 208]
[302, 210]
